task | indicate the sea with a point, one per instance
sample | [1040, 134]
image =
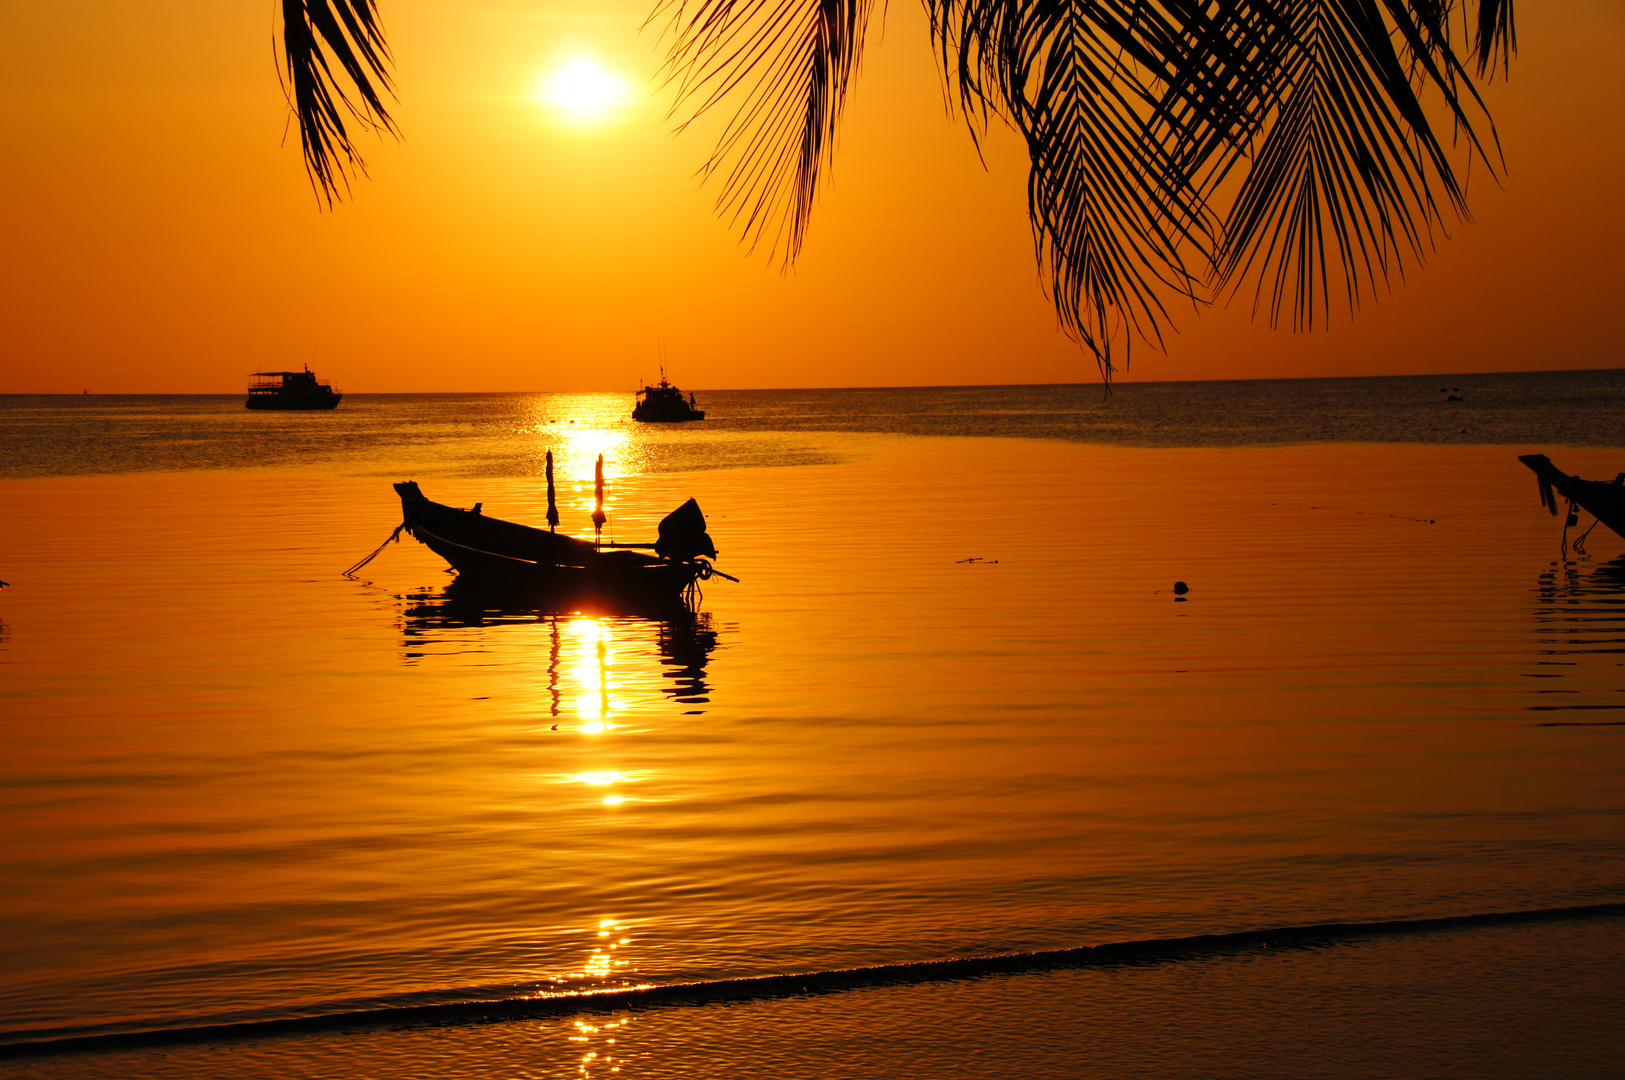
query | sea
[1225, 729]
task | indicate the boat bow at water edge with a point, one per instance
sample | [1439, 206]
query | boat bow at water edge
[1602, 499]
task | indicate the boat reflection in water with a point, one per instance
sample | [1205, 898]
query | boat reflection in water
[1580, 612]
[599, 663]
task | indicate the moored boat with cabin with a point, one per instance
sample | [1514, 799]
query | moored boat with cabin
[290, 390]
[663, 403]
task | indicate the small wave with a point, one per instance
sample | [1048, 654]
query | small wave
[1117, 954]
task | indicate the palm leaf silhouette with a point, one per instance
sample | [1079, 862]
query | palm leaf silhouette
[1350, 165]
[320, 40]
[1180, 149]
[791, 63]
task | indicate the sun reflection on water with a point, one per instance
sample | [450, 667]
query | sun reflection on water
[606, 965]
[603, 780]
[603, 968]
[591, 669]
[607, 1034]
[579, 456]
[577, 428]
[594, 670]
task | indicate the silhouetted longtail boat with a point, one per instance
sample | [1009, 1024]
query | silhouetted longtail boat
[491, 550]
[1603, 500]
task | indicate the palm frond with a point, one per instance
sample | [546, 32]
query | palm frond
[1496, 39]
[1132, 113]
[320, 40]
[1350, 178]
[790, 65]
[1176, 146]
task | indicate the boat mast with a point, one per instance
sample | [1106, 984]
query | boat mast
[552, 504]
[598, 517]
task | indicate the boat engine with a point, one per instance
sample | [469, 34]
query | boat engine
[683, 535]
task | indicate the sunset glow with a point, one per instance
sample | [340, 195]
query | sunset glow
[527, 227]
[583, 92]
[1006, 539]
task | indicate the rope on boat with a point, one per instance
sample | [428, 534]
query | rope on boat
[703, 571]
[1573, 518]
[394, 536]
[1579, 545]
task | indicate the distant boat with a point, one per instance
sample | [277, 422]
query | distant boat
[489, 550]
[290, 390]
[663, 403]
[1602, 499]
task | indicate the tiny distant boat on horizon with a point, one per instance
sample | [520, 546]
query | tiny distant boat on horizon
[663, 403]
[493, 552]
[1602, 499]
[290, 390]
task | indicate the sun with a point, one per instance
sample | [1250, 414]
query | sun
[582, 91]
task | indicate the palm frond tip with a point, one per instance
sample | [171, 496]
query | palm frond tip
[334, 66]
[790, 65]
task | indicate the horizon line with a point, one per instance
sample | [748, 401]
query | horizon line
[1104, 385]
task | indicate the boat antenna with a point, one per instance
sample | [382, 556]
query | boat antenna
[598, 517]
[552, 502]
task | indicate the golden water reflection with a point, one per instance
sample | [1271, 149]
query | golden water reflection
[606, 964]
[591, 675]
[594, 670]
[591, 667]
[600, 1047]
[577, 428]
[605, 1034]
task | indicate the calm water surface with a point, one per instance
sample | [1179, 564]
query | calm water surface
[953, 707]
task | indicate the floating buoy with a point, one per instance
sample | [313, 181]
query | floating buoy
[1180, 588]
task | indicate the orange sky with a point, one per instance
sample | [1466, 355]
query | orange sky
[159, 237]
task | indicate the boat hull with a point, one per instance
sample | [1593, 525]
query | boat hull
[619, 574]
[667, 416]
[265, 402]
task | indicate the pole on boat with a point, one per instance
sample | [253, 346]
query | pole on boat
[552, 502]
[598, 518]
